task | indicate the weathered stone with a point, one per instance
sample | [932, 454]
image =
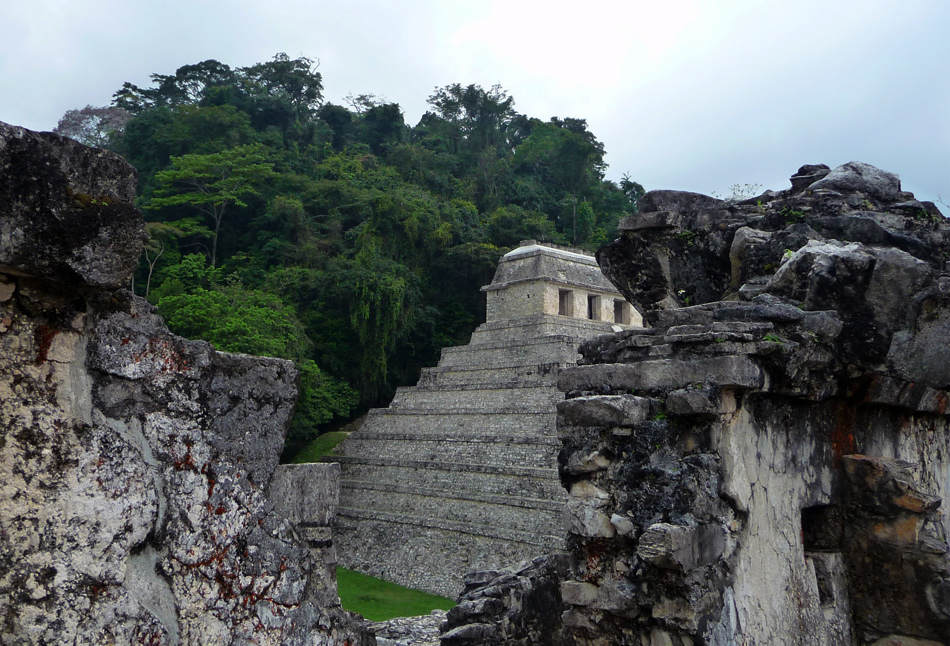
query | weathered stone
[522, 605]
[66, 214]
[808, 175]
[863, 178]
[604, 410]
[677, 202]
[702, 401]
[651, 220]
[623, 524]
[306, 493]
[579, 593]
[471, 634]
[409, 631]
[133, 463]
[582, 513]
[797, 458]
[678, 547]
[587, 462]
[726, 372]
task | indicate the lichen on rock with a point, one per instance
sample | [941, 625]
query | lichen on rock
[786, 490]
[133, 463]
[780, 480]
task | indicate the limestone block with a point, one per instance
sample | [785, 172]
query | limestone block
[863, 178]
[616, 597]
[677, 201]
[67, 213]
[724, 371]
[654, 220]
[306, 493]
[574, 619]
[579, 593]
[470, 634]
[704, 401]
[678, 547]
[582, 513]
[623, 524]
[591, 462]
[604, 410]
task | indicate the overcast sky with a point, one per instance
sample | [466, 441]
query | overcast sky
[691, 95]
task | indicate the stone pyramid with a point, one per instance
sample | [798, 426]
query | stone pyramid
[460, 472]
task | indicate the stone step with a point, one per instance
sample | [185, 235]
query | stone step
[539, 325]
[447, 508]
[541, 454]
[528, 398]
[349, 519]
[476, 423]
[538, 374]
[502, 355]
[495, 480]
[458, 494]
[547, 441]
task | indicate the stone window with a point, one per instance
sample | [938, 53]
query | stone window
[565, 302]
[621, 312]
[593, 307]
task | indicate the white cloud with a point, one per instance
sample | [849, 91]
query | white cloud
[686, 94]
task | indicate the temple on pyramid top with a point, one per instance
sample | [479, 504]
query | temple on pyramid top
[459, 472]
[544, 279]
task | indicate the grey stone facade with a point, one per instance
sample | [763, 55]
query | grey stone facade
[460, 473]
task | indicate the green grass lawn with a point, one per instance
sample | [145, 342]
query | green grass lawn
[322, 445]
[378, 600]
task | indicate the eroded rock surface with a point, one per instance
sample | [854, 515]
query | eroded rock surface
[134, 463]
[766, 464]
[784, 484]
[512, 606]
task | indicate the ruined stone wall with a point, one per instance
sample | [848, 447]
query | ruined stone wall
[133, 463]
[758, 494]
[765, 464]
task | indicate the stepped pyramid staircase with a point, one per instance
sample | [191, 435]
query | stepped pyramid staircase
[460, 472]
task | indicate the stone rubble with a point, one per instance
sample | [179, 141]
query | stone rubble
[423, 630]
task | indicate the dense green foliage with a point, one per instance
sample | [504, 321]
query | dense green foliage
[343, 238]
[379, 600]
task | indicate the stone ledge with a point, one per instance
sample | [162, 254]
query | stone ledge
[409, 410]
[663, 374]
[479, 438]
[528, 472]
[514, 384]
[388, 412]
[510, 501]
[527, 538]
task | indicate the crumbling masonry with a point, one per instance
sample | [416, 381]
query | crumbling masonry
[767, 464]
[134, 464]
